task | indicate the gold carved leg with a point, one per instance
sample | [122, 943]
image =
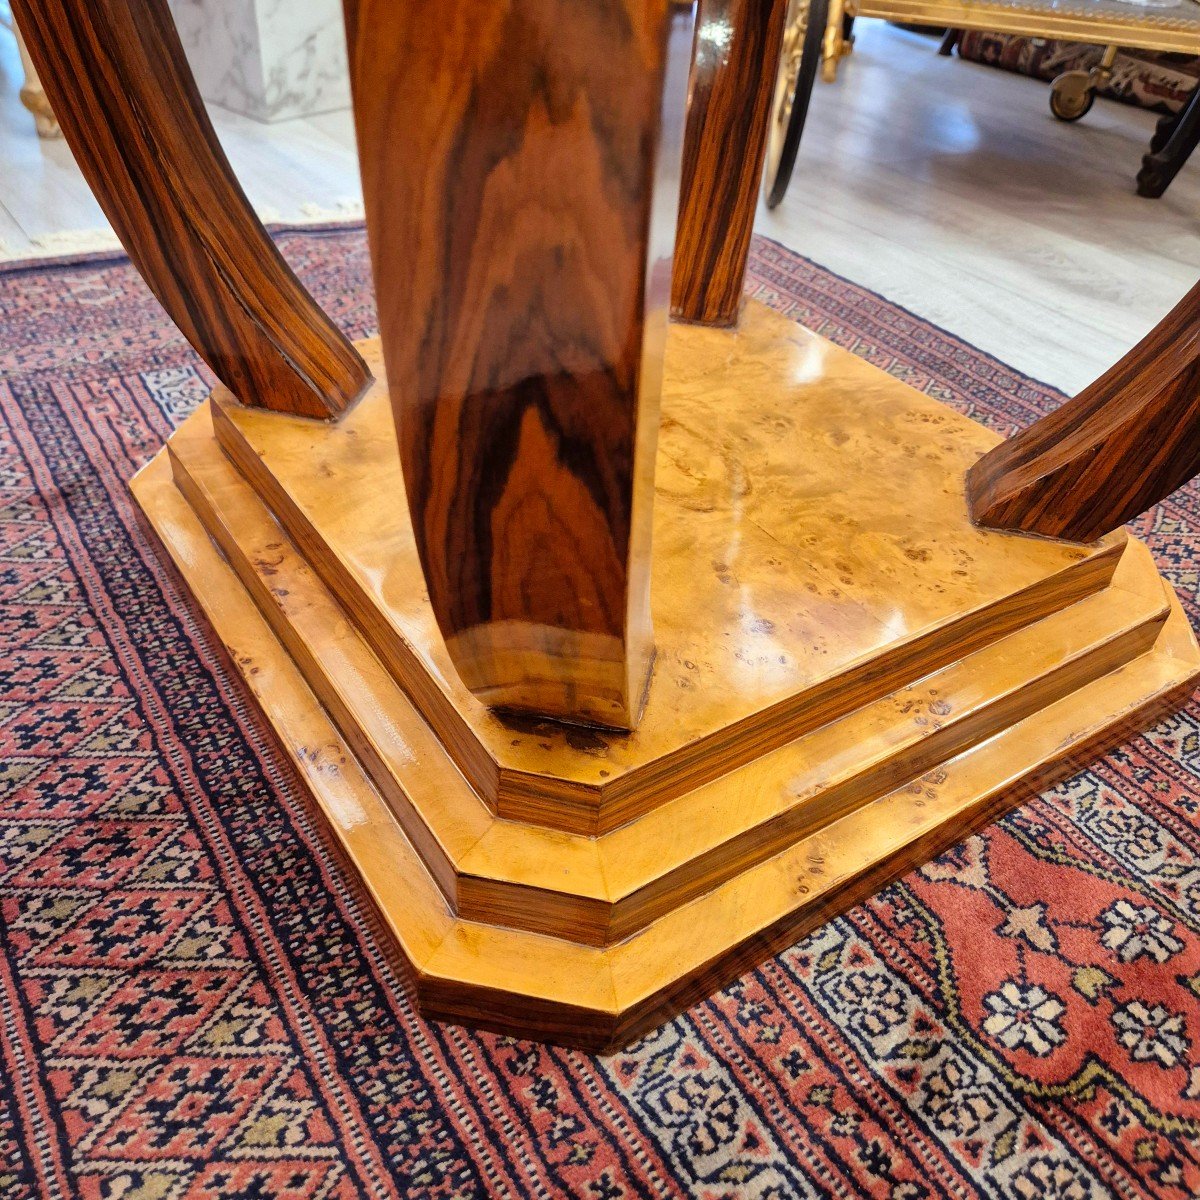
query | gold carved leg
[33, 96]
[838, 43]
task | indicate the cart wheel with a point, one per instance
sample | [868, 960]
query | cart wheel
[802, 38]
[1072, 95]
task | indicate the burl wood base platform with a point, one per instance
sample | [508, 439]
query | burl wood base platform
[849, 677]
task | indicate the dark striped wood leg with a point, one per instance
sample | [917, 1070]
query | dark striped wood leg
[738, 44]
[118, 81]
[1123, 444]
[517, 168]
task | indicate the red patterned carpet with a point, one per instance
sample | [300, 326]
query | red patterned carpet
[197, 1001]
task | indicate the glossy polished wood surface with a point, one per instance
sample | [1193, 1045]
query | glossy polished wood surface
[601, 890]
[520, 165]
[789, 587]
[732, 87]
[117, 77]
[435, 866]
[1118, 448]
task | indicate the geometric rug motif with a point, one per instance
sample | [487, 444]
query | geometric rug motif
[197, 1000]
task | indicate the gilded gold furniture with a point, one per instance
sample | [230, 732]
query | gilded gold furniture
[33, 95]
[1110, 23]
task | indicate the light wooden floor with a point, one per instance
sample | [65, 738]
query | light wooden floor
[946, 186]
[949, 188]
[292, 171]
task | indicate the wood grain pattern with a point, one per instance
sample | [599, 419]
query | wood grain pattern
[732, 88]
[116, 75]
[598, 891]
[1120, 446]
[529, 984]
[888, 595]
[517, 162]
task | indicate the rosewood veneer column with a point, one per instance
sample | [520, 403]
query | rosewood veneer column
[116, 76]
[738, 43]
[1123, 444]
[519, 169]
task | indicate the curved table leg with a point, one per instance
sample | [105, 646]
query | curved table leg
[738, 43]
[117, 78]
[1123, 444]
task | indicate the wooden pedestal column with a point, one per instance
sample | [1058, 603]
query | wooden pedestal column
[520, 169]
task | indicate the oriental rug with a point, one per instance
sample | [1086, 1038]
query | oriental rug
[197, 1000]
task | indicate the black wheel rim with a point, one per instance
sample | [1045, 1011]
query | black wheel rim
[810, 62]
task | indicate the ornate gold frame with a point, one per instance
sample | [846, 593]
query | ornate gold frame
[1101, 22]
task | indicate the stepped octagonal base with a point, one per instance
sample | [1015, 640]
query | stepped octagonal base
[849, 678]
